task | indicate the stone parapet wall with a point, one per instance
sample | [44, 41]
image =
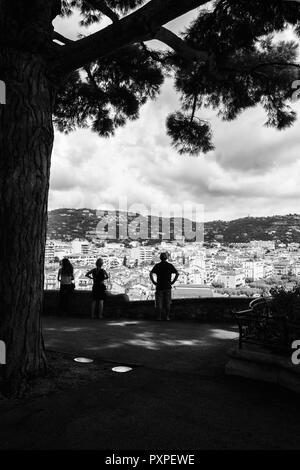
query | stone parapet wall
[118, 306]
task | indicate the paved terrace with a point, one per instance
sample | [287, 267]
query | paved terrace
[176, 397]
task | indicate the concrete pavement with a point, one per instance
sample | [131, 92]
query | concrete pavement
[177, 397]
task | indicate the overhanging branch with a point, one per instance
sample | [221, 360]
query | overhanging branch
[59, 37]
[104, 8]
[181, 47]
[260, 65]
[139, 26]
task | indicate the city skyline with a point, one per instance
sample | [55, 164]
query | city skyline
[241, 269]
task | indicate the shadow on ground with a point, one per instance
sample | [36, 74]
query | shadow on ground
[178, 398]
[159, 345]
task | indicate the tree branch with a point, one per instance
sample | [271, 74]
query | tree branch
[91, 78]
[140, 25]
[255, 68]
[276, 64]
[234, 68]
[181, 47]
[104, 8]
[194, 107]
[61, 38]
[154, 54]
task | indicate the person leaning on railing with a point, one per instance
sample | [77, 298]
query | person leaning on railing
[65, 278]
[163, 271]
[98, 276]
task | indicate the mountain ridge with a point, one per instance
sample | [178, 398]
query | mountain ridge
[69, 223]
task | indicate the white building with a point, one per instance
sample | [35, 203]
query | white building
[197, 277]
[145, 254]
[62, 249]
[221, 259]
[133, 256]
[50, 251]
[253, 270]
[80, 246]
[232, 279]
[267, 244]
[282, 268]
[197, 262]
[51, 282]
[268, 270]
[141, 254]
[211, 272]
[296, 269]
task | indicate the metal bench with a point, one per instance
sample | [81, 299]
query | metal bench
[258, 325]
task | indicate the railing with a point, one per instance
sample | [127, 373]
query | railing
[262, 325]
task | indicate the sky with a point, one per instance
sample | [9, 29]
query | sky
[254, 170]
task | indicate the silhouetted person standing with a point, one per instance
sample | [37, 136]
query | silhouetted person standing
[65, 277]
[98, 275]
[163, 271]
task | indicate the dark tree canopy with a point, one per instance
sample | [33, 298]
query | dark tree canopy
[228, 59]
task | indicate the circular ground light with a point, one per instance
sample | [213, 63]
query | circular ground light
[121, 369]
[84, 360]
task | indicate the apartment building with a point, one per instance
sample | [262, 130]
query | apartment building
[253, 270]
[80, 246]
[232, 279]
[49, 251]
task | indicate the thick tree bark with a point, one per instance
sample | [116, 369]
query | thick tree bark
[26, 139]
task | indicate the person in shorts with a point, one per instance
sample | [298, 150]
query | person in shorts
[98, 275]
[164, 272]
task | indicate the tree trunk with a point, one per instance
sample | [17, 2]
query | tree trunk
[26, 139]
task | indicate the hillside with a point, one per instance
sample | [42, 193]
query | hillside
[67, 224]
[284, 228]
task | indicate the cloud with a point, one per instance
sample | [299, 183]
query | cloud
[253, 170]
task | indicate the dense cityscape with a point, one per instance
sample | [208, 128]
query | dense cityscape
[206, 269]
